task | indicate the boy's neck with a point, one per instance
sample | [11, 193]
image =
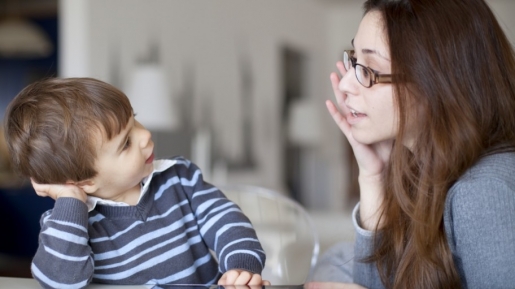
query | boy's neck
[130, 197]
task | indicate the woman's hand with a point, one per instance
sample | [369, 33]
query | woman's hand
[241, 277]
[371, 158]
[56, 191]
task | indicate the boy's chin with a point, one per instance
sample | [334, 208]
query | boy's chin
[148, 171]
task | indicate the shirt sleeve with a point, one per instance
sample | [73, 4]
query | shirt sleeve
[223, 226]
[63, 258]
[481, 229]
[364, 274]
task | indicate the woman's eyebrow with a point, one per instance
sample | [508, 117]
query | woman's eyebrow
[371, 51]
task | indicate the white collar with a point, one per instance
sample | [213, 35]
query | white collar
[159, 166]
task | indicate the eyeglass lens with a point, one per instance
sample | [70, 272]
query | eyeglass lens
[362, 74]
[346, 60]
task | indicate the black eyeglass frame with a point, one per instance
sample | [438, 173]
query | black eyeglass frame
[375, 77]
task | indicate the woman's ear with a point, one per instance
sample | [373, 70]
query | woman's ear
[88, 186]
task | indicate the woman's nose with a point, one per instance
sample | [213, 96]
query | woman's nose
[348, 82]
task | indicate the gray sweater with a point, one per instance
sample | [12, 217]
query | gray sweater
[479, 220]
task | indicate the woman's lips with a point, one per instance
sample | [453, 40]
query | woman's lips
[150, 159]
[353, 117]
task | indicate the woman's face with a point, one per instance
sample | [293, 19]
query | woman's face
[374, 119]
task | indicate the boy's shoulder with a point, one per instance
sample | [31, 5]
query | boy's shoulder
[162, 164]
[168, 172]
[174, 166]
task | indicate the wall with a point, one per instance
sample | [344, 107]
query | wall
[202, 45]
[504, 10]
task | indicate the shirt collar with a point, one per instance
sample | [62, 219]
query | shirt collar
[159, 166]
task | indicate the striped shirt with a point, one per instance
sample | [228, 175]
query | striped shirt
[165, 239]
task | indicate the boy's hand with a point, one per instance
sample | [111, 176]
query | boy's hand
[241, 277]
[59, 191]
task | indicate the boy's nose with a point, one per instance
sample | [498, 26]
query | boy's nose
[146, 137]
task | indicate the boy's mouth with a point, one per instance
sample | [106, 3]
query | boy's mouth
[150, 159]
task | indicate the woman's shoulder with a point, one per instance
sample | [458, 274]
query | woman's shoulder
[498, 166]
[479, 212]
[492, 176]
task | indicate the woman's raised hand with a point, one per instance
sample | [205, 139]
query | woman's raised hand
[371, 158]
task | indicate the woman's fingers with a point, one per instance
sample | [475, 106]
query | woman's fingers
[339, 119]
[338, 112]
[341, 68]
[340, 96]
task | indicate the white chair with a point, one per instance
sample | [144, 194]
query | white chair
[284, 229]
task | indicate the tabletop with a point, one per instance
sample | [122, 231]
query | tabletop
[27, 283]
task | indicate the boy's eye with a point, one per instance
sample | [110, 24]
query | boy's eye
[127, 144]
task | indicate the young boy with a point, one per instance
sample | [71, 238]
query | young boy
[120, 217]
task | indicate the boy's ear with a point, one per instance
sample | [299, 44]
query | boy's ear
[88, 186]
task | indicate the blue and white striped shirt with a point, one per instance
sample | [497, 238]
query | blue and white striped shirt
[165, 238]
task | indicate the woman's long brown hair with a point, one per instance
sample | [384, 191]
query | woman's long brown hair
[454, 88]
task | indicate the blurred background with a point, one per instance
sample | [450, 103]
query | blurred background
[236, 86]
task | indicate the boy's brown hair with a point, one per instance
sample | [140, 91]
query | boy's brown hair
[51, 127]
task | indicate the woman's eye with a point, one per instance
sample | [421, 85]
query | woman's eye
[127, 144]
[366, 73]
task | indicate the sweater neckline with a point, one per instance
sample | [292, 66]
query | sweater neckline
[139, 211]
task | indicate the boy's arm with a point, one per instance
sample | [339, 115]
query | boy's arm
[224, 228]
[64, 258]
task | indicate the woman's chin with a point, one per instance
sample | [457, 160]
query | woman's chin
[370, 138]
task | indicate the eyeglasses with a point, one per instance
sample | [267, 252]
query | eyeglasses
[365, 75]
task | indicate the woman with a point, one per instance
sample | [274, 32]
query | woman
[427, 103]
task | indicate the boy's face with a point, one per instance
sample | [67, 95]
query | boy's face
[122, 163]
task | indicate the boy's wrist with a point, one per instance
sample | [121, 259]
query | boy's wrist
[71, 210]
[74, 193]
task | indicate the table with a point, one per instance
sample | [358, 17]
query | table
[27, 283]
